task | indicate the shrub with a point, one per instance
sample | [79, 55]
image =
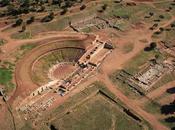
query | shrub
[161, 16]
[151, 47]
[18, 22]
[4, 3]
[82, 7]
[48, 18]
[151, 13]
[63, 11]
[23, 28]
[41, 9]
[104, 6]
[31, 20]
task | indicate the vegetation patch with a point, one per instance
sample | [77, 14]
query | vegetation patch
[22, 50]
[98, 109]
[169, 122]
[22, 35]
[152, 107]
[87, 30]
[2, 42]
[27, 126]
[94, 104]
[5, 76]
[128, 48]
[28, 46]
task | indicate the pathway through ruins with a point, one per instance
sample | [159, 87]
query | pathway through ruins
[132, 105]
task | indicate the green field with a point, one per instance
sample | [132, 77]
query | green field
[5, 76]
[27, 47]
[97, 113]
[94, 108]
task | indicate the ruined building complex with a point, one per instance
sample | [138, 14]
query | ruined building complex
[41, 98]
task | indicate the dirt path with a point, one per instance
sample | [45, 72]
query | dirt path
[117, 58]
[130, 104]
[117, 63]
[166, 24]
[157, 92]
[13, 44]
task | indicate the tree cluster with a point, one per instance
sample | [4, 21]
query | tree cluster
[48, 18]
[151, 47]
[18, 7]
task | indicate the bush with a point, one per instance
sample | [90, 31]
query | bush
[31, 20]
[161, 16]
[157, 32]
[4, 3]
[41, 9]
[170, 119]
[151, 47]
[82, 7]
[23, 28]
[2, 42]
[63, 11]
[11, 10]
[173, 25]
[161, 29]
[18, 22]
[48, 18]
[151, 13]
[104, 6]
